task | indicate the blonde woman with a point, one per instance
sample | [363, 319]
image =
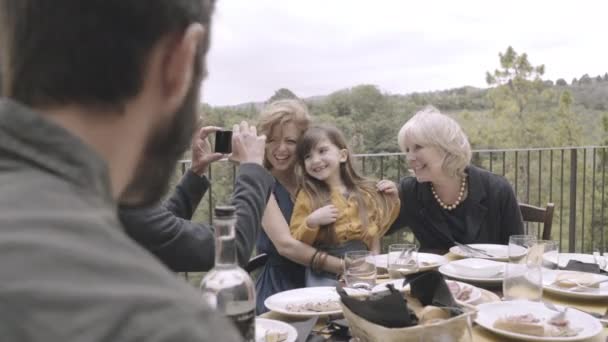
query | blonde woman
[448, 199]
[283, 122]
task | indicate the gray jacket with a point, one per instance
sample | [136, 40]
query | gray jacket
[68, 272]
[186, 246]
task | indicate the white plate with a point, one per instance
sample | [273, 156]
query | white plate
[489, 312]
[431, 261]
[453, 272]
[499, 252]
[549, 278]
[278, 301]
[262, 325]
[565, 257]
[475, 292]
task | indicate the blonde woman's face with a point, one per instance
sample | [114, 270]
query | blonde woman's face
[281, 147]
[425, 161]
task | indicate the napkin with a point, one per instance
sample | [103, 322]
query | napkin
[391, 309]
[430, 288]
[589, 267]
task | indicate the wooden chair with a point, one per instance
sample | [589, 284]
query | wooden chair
[544, 215]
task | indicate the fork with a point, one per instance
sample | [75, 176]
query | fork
[473, 250]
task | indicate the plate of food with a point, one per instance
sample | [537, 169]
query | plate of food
[270, 330]
[492, 251]
[306, 302]
[533, 321]
[576, 284]
[475, 270]
[426, 261]
[463, 292]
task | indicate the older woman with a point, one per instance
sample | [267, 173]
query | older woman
[448, 199]
[283, 122]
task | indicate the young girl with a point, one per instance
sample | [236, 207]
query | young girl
[337, 210]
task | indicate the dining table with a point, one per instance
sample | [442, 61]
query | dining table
[491, 293]
[598, 306]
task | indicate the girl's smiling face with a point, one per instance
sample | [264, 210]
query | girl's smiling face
[323, 161]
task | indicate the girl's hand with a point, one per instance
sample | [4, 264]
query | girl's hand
[388, 187]
[324, 215]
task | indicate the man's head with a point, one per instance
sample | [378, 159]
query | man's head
[103, 55]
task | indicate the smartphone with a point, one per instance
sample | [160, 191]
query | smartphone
[223, 141]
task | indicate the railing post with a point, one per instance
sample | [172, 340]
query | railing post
[572, 223]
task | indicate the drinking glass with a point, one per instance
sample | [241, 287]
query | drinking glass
[359, 270]
[402, 260]
[523, 278]
[458, 329]
[545, 253]
[519, 246]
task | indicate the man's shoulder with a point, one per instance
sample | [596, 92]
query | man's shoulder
[64, 257]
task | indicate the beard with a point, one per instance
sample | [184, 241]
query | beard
[162, 151]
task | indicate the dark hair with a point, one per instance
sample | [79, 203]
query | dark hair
[87, 52]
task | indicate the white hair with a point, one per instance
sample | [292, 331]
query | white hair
[429, 127]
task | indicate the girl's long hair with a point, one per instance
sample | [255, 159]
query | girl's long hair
[364, 190]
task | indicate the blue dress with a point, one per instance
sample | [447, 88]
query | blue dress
[279, 273]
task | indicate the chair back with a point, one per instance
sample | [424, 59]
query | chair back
[544, 215]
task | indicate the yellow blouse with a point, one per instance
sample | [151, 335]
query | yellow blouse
[348, 225]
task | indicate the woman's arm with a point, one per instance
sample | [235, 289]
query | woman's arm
[277, 229]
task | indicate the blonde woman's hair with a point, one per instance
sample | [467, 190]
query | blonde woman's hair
[429, 127]
[278, 113]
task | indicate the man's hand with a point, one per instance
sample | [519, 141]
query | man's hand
[247, 146]
[202, 155]
[324, 215]
[388, 187]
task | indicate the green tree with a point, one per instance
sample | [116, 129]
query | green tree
[282, 94]
[519, 98]
[568, 127]
[561, 82]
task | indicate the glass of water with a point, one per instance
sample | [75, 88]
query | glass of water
[359, 270]
[523, 277]
[519, 246]
[547, 253]
[402, 260]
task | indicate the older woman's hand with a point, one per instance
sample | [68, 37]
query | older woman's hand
[388, 187]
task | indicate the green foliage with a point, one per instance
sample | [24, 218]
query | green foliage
[282, 94]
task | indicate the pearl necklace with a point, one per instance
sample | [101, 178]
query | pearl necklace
[458, 200]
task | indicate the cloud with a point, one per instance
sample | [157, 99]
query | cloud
[315, 47]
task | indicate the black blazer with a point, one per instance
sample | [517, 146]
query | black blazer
[492, 212]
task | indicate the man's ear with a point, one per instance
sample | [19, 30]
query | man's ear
[343, 155]
[178, 65]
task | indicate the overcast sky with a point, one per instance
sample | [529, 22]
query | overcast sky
[315, 47]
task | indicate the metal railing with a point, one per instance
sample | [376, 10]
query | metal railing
[574, 178]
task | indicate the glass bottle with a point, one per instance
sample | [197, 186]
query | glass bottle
[227, 287]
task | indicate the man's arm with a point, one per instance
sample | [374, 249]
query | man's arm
[186, 246]
[187, 195]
